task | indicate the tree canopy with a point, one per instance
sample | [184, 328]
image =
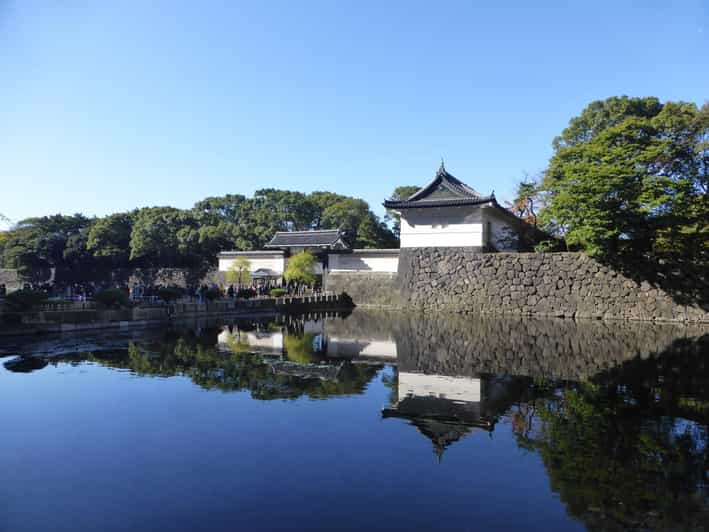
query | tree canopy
[167, 236]
[400, 193]
[300, 268]
[631, 175]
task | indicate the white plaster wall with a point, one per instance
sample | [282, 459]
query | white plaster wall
[273, 262]
[445, 227]
[500, 228]
[364, 262]
[453, 388]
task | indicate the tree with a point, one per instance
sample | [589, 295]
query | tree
[38, 243]
[165, 236]
[110, 237]
[394, 218]
[526, 200]
[371, 233]
[300, 268]
[239, 272]
[629, 176]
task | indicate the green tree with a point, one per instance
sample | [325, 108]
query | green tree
[239, 272]
[110, 237]
[37, 243]
[165, 236]
[393, 218]
[371, 233]
[629, 175]
[300, 268]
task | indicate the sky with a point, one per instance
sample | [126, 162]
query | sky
[108, 106]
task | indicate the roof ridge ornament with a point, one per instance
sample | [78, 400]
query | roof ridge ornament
[442, 168]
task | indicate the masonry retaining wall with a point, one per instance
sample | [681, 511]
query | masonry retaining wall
[547, 284]
[367, 289]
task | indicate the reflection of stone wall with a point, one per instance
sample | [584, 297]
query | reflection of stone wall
[554, 348]
[552, 284]
[367, 324]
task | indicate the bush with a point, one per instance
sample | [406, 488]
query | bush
[170, 293]
[112, 297]
[22, 300]
[547, 246]
[278, 292]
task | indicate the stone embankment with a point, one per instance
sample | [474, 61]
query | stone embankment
[68, 317]
[569, 285]
[544, 284]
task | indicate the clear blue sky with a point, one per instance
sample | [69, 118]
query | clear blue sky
[111, 105]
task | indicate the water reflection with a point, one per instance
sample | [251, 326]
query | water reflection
[618, 412]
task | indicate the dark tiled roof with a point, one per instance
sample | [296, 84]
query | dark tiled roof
[444, 191]
[305, 238]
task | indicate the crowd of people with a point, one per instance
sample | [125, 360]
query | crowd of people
[153, 293]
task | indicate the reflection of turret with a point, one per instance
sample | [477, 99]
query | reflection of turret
[444, 409]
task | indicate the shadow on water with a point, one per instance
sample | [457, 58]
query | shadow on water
[617, 411]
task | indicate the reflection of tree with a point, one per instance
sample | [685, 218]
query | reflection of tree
[618, 453]
[299, 348]
[238, 370]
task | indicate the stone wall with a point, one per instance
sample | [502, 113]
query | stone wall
[10, 279]
[375, 289]
[545, 284]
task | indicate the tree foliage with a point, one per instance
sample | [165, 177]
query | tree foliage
[166, 236]
[631, 175]
[393, 218]
[239, 272]
[300, 268]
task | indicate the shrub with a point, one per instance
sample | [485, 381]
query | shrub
[24, 299]
[546, 246]
[277, 292]
[112, 297]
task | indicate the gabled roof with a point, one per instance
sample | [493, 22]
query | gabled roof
[444, 191]
[324, 238]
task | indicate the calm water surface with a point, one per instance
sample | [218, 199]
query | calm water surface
[372, 421]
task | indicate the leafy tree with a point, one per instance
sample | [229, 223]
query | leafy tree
[110, 237]
[239, 272]
[300, 268]
[36, 243]
[526, 201]
[393, 218]
[371, 233]
[629, 175]
[165, 236]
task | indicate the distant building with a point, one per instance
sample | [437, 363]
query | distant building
[444, 213]
[268, 265]
[449, 213]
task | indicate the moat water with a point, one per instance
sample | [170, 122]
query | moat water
[372, 421]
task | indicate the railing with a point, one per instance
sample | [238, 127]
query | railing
[66, 305]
